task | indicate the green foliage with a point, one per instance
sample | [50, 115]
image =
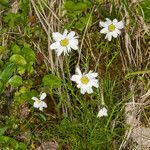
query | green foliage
[4, 4]
[15, 81]
[9, 142]
[146, 9]
[2, 130]
[18, 59]
[15, 49]
[2, 49]
[12, 19]
[76, 13]
[6, 74]
[51, 81]
[24, 58]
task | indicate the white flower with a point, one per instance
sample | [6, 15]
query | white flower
[64, 42]
[111, 28]
[85, 81]
[39, 103]
[102, 112]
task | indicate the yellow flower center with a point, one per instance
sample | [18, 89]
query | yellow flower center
[64, 42]
[84, 80]
[111, 27]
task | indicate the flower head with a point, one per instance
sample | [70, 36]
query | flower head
[111, 28]
[39, 103]
[102, 112]
[85, 81]
[64, 42]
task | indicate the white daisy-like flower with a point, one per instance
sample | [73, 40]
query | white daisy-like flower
[102, 112]
[64, 42]
[85, 82]
[111, 28]
[39, 103]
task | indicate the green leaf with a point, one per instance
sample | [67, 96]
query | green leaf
[4, 3]
[28, 95]
[69, 5]
[2, 130]
[15, 49]
[51, 81]
[7, 72]
[146, 9]
[21, 70]
[82, 23]
[28, 54]
[12, 143]
[15, 81]
[12, 19]
[18, 59]
[80, 6]
[41, 117]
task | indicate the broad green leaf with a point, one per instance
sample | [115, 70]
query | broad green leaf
[15, 49]
[15, 81]
[12, 19]
[28, 54]
[69, 5]
[80, 6]
[7, 72]
[18, 59]
[28, 95]
[4, 3]
[21, 70]
[51, 81]
[2, 130]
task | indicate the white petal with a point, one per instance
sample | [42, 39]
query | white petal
[92, 74]
[104, 30]
[60, 50]
[55, 45]
[57, 36]
[89, 90]
[73, 43]
[108, 21]
[78, 71]
[75, 78]
[120, 25]
[109, 36]
[83, 91]
[36, 104]
[65, 33]
[94, 83]
[44, 105]
[71, 35]
[114, 34]
[34, 98]
[103, 24]
[118, 31]
[102, 112]
[68, 48]
[115, 22]
[43, 95]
